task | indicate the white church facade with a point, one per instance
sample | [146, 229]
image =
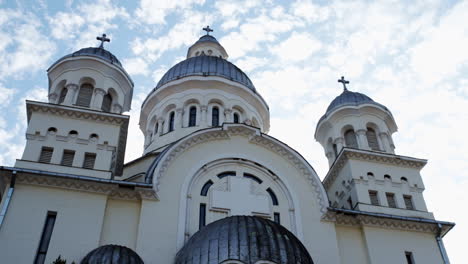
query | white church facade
[211, 186]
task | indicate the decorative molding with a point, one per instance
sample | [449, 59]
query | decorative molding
[379, 222]
[363, 155]
[256, 137]
[111, 189]
[75, 112]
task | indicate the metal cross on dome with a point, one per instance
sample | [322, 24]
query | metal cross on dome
[103, 39]
[344, 82]
[208, 30]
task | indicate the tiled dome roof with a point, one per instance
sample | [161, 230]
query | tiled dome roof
[94, 52]
[206, 66]
[244, 238]
[112, 254]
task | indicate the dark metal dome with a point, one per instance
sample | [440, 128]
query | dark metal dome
[206, 66]
[244, 238]
[112, 254]
[207, 38]
[93, 52]
[351, 98]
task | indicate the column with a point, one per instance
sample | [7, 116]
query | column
[116, 108]
[385, 142]
[362, 139]
[160, 126]
[228, 115]
[203, 115]
[72, 89]
[97, 98]
[339, 144]
[53, 98]
[179, 122]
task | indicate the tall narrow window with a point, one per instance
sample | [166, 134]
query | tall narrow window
[236, 118]
[46, 155]
[408, 202]
[84, 95]
[409, 257]
[277, 218]
[374, 199]
[350, 139]
[273, 197]
[206, 188]
[391, 200]
[335, 150]
[156, 128]
[67, 158]
[171, 121]
[215, 116]
[202, 220]
[89, 160]
[45, 238]
[106, 103]
[62, 96]
[350, 203]
[372, 139]
[192, 116]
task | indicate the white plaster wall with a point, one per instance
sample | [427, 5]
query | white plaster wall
[389, 246]
[120, 225]
[352, 245]
[104, 75]
[76, 232]
[38, 137]
[178, 96]
[318, 237]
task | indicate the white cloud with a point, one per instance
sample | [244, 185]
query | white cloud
[250, 63]
[298, 47]
[155, 11]
[136, 66]
[310, 12]
[25, 49]
[6, 95]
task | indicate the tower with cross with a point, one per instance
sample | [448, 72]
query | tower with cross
[208, 30]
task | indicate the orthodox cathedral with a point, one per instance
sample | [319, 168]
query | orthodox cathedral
[212, 187]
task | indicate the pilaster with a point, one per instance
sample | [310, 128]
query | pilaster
[72, 89]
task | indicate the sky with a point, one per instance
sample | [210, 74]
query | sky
[410, 56]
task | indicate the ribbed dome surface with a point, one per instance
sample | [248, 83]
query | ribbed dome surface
[206, 66]
[244, 238]
[207, 38]
[93, 52]
[349, 98]
[112, 254]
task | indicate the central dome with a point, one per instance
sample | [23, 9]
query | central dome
[206, 66]
[248, 239]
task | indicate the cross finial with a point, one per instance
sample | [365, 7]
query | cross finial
[344, 82]
[208, 30]
[103, 39]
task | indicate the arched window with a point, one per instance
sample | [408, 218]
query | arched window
[192, 116]
[350, 139]
[387, 177]
[62, 96]
[171, 122]
[372, 139]
[106, 103]
[236, 118]
[215, 116]
[156, 128]
[84, 95]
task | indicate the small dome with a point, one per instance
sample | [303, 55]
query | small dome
[207, 38]
[351, 98]
[112, 254]
[93, 52]
[244, 238]
[206, 66]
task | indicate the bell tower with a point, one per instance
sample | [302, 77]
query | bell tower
[81, 129]
[365, 173]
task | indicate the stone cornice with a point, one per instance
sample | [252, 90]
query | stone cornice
[362, 220]
[115, 189]
[372, 156]
[75, 112]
